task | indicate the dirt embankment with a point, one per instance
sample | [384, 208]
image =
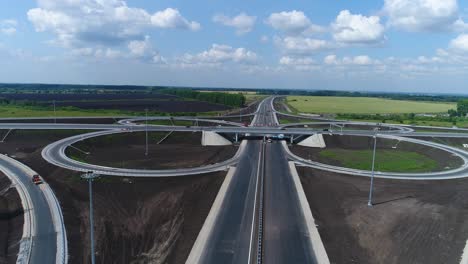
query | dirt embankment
[410, 222]
[444, 159]
[11, 221]
[138, 220]
[127, 150]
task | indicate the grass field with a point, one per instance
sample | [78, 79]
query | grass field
[386, 160]
[24, 111]
[363, 105]
[31, 111]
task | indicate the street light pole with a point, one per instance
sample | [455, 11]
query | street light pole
[146, 132]
[369, 203]
[90, 176]
[55, 114]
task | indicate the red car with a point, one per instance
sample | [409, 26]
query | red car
[36, 179]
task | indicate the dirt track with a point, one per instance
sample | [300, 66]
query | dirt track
[11, 221]
[411, 222]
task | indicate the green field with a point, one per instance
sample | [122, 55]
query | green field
[363, 105]
[33, 111]
[27, 111]
[385, 161]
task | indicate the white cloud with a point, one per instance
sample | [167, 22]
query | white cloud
[302, 45]
[422, 15]
[460, 44]
[264, 39]
[243, 23]
[140, 48]
[79, 23]
[331, 60]
[8, 26]
[350, 28]
[293, 23]
[219, 54]
[171, 18]
[287, 60]
[362, 60]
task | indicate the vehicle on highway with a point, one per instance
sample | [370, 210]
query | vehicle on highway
[269, 140]
[36, 179]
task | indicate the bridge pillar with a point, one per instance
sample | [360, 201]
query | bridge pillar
[210, 138]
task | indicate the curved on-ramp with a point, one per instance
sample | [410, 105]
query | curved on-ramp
[55, 154]
[44, 237]
[460, 172]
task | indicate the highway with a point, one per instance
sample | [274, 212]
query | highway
[260, 220]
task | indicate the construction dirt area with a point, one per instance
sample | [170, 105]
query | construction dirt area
[411, 221]
[148, 220]
[11, 221]
[127, 150]
[443, 159]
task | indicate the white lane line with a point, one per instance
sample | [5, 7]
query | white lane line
[255, 206]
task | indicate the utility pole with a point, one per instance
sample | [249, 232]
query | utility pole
[369, 203]
[146, 132]
[55, 114]
[90, 176]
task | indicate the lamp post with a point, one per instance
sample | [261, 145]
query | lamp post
[55, 114]
[90, 176]
[369, 203]
[146, 132]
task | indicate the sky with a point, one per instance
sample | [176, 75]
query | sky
[359, 45]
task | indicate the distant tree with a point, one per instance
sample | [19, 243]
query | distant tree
[462, 107]
[412, 116]
[452, 113]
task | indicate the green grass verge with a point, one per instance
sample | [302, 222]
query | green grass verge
[386, 160]
[363, 105]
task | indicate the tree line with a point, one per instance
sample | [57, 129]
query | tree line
[229, 99]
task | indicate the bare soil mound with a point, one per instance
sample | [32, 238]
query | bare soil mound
[410, 222]
[11, 221]
[127, 150]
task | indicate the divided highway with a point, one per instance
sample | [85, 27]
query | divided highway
[260, 220]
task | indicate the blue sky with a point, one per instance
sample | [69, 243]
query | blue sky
[388, 45]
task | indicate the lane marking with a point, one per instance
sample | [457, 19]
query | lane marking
[255, 207]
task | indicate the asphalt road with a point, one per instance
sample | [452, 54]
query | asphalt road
[44, 245]
[230, 240]
[286, 238]
[285, 235]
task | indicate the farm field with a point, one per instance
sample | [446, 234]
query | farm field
[363, 105]
[108, 104]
